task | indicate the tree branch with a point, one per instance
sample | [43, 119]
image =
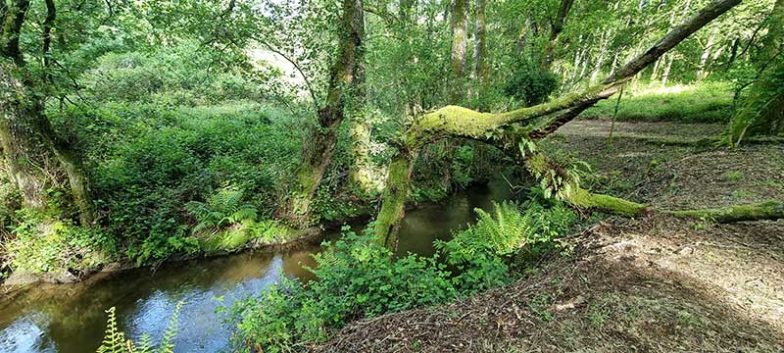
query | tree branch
[51, 16]
[296, 66]
[13, 29]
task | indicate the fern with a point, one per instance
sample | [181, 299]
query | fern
[167, 343]
[222, 209]
[114, 340]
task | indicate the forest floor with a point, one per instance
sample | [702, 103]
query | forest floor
[655, 284]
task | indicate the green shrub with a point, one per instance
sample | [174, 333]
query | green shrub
[357, 278]
[481, 253]
[223, 208]
[530, 84]
[147, 162]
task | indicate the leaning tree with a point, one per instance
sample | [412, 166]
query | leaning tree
[37, 160]
[516, 133]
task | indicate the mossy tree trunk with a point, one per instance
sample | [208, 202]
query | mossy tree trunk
[37, 161]
[345, 80]
[481, 67]
[517, 131]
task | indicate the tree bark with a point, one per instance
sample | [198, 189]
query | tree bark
[706, 54]
[481, 70]
[459, 25]
[36, 159]
[345, 79]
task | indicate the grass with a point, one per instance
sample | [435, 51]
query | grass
[708, 102]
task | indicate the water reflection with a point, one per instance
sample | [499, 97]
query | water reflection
[71, 318]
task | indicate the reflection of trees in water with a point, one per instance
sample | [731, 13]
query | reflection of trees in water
[75, 317]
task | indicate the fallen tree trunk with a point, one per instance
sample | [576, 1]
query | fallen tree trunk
[736, 213]
[506, 130]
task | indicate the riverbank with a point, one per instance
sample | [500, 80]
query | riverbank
[70, 318]
[654, 284]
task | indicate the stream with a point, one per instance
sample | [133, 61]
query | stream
[72, 318]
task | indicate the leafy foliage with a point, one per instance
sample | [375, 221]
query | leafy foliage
[42, 244]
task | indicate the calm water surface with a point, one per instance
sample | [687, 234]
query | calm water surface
[71, 318]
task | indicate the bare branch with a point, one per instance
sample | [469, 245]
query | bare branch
[296, 66]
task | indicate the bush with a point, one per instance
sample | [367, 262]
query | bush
[147, 162]
[530, 84]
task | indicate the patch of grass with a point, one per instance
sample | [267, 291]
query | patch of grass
[539, 305]
[733, 176]
[709, 102]
[742, 194]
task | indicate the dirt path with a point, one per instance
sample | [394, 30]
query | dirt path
[648, 285]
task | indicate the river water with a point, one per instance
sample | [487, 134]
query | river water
[71, 318]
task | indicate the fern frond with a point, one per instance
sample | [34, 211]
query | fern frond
[167, 343]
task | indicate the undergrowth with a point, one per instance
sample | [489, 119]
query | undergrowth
[356, 278]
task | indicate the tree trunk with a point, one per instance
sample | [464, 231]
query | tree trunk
[459, 25]
[393, 207]
[597, 68]
[345, 79]
[481, 70]
[453, 121]
[522, 38]
[35, 159]
[706, 54]
[555, 31]
[366, 180]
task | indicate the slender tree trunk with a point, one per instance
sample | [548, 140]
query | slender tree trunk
[522, 38]
[600, 60]
[459, 25]
[675, 17]
[706, 54]
[347, 74]
[555, 31]
[481, 70]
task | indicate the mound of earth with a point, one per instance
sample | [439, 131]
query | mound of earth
[656, 284]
